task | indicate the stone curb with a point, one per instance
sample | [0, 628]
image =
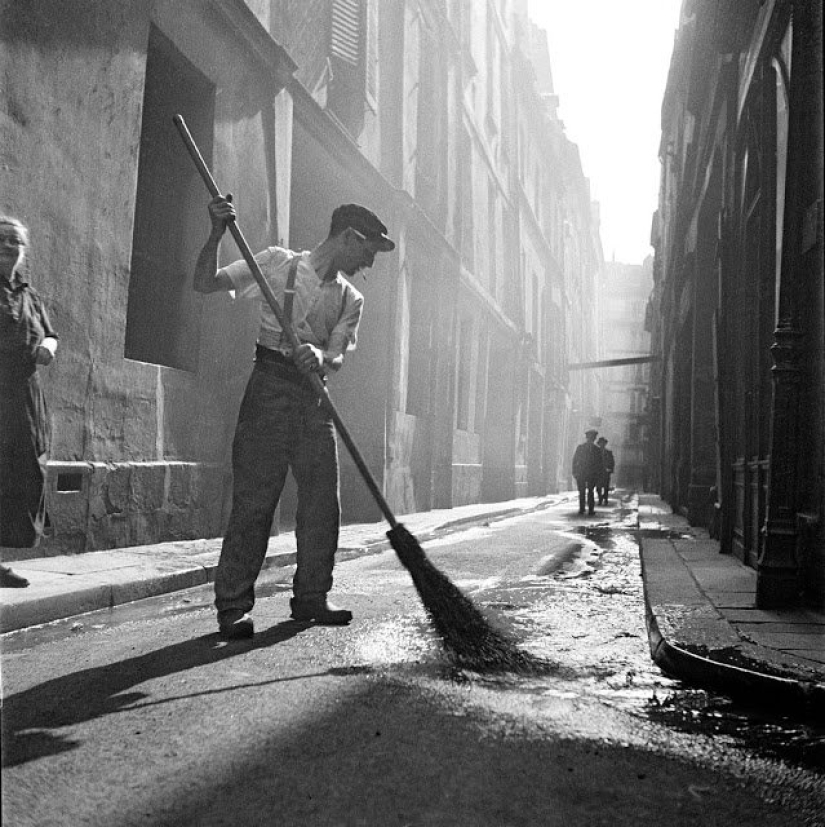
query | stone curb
[110, 592]
[801, 698]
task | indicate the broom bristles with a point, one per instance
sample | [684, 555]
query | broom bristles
[466, 634]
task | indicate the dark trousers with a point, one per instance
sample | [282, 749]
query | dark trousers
[586, 486]
[603, 488]
[281, 426]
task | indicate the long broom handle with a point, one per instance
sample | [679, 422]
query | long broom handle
[314, 379]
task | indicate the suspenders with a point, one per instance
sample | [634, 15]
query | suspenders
[289, 298]
[289, 291]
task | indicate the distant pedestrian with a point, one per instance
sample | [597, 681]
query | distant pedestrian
[27, 340]
[587, 469]
[608, 466]
[281, 425]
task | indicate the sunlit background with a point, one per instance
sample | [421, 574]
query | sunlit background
[610, 61]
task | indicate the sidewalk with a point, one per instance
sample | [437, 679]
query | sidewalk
[704, 628]
[73, 584]
[702, 624]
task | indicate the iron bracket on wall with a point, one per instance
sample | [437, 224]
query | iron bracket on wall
[609, 363]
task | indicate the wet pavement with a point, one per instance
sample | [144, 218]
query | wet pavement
[587, 584]
[584, 615]
[569, 592]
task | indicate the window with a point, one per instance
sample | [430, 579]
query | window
[162, 322]
[353, 57]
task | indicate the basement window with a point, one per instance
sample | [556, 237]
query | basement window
[162, 318]
[71, 482]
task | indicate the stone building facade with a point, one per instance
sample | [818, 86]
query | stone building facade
[438, 115]
[738, 297]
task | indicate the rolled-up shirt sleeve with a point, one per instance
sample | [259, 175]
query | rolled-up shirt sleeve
[241, 276]
[344, 335]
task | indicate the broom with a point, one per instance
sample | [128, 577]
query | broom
[463, 629]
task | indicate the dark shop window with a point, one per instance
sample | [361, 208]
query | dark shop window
[162, 322]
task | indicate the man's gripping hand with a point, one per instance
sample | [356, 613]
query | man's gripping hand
[221, 211]
[309, 359]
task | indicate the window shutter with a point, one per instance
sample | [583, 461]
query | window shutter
[346, 31]
[372, 51]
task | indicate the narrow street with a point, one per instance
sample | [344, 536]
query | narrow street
[510, 252]
[140, 715]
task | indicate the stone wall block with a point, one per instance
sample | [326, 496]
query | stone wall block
[66, 542]
[112, 531]
[148, 481]
[180, 524]
[118, 488]
[180, 485]
[120, 531]
[97, 492]
[466, 483]
[210, 488]
[67, 510]
[145, 528]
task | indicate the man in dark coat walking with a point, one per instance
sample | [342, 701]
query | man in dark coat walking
[588, 470]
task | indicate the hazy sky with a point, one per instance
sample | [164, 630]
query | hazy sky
[610, 60]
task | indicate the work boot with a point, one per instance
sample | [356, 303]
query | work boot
[10, 580]
[320, 610]
[235, 625]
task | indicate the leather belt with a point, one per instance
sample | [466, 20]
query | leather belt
[274, 362]
[267, 354]
[279, 365]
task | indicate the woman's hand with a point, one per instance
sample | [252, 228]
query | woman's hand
[44, 354]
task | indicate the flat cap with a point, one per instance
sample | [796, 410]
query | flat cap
[364, 221]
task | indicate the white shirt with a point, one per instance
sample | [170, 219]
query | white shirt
[324, 313]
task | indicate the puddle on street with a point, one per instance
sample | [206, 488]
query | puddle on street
[696, 711]
[585, 620]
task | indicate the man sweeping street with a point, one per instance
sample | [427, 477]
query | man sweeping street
[281, 425]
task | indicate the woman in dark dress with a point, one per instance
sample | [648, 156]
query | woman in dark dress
[26, 341]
